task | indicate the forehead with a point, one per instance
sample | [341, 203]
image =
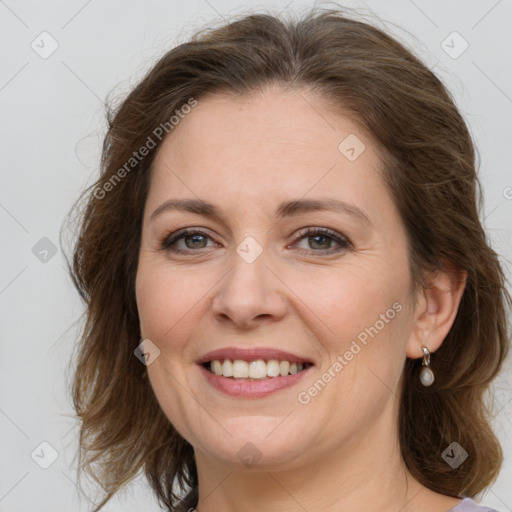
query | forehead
[272, 143]
[264, 120]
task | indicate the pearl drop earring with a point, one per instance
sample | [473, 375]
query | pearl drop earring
[426, 375]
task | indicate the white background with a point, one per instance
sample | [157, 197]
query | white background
[52, 125]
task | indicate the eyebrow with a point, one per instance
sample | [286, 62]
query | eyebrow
[285, 209]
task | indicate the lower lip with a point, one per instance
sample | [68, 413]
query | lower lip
[241, 388]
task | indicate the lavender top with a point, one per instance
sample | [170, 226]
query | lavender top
[468, 505]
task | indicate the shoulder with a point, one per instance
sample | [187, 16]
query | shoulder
[468, 505]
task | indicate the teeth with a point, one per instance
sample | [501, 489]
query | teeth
[240, 369]
[258, 369]
[217, 367]
[227, 369]
[273, 368]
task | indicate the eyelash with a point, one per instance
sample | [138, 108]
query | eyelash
[343, 242]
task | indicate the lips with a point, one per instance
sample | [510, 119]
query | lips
[247, 387]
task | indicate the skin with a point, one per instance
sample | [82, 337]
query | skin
[340, 451]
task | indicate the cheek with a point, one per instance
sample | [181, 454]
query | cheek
[152, 303]
[165, 302]
[165, 297]
[171, 302]
[367, 316]
[349, 299]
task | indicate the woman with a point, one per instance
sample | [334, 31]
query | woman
[291, 302]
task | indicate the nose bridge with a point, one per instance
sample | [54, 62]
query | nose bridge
[249, 290]
[247, 279]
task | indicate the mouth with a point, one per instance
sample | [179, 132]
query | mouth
[252, 373]
[258, 369]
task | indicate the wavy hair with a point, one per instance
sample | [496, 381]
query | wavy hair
[429, 167]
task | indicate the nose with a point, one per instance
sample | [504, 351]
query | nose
[250, 294]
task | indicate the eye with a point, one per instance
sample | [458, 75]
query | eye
[192, 239]
[321, 240]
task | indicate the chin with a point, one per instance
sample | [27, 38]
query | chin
[255, 444]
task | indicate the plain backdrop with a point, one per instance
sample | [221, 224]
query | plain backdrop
[60, 60]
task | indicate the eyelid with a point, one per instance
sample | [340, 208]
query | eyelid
[316, 229]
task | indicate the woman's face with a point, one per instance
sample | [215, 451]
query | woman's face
[295, 253]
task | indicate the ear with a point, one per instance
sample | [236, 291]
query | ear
[436, 306]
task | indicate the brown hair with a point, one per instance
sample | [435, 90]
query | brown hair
[429, 165]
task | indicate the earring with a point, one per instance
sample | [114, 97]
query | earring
[426, 375]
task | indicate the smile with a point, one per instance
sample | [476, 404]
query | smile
[257, 370]
[252, 372]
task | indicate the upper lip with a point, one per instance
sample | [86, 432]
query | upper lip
[251, 354]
